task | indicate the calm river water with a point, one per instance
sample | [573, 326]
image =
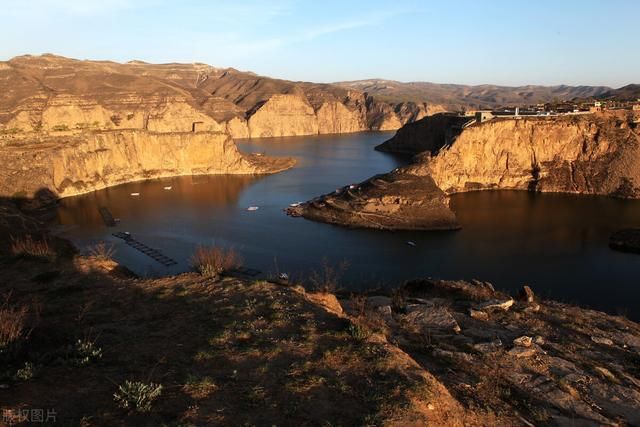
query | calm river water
[555, 243]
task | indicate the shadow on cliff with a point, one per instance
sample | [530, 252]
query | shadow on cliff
[228, 352]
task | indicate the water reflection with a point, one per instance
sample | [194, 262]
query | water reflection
[193, 193]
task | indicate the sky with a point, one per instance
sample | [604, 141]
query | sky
[576, 42]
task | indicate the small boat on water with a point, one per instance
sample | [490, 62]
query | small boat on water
[295, 205]
[253, 208]
[168, 187]
[135, 194]
[410, 243]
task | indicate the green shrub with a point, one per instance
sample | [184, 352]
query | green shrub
[86, 352]
[137, 396]
[27, 372]
[359, 331]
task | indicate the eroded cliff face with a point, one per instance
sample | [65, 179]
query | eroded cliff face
[283, 115]
[56, 95]
[427, 134]
[76, 165]
[585, 154]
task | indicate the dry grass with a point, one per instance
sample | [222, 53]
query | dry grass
[28, 246]
[211, 261]
[326, 280]
[102, 251]
[13, 324]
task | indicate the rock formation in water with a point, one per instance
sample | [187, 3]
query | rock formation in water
[395, 201]
[75, 165]
[584, 154]
[53, 94]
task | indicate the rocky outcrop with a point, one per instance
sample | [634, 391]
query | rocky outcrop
[395, 201]
[53, 94]
[541, 362]
[76, 165]
[335, 117]
[584, 154]
[283, 115]
[427, 134]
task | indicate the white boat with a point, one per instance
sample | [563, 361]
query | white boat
[410, 243]
[253, 208]
[135, 194]
[168, 187]
[295, 205]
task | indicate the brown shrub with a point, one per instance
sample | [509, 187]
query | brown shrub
[28, 246]
[211, 261]
[326, 280]
[13, 324]
[102, 251]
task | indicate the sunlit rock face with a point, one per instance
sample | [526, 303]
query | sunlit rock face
[68, 166]
[585, 154]
[53, 94]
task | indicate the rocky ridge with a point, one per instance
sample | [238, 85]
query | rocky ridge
[54, 94]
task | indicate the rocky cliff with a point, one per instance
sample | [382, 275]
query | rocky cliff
[585, 154]
[427, 134]
[53, 94]
[67, 166]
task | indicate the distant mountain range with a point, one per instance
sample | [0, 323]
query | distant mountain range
[454, 96]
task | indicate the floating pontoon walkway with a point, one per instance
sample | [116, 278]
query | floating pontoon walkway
[150, 252]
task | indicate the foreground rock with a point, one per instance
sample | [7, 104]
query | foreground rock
[627, 240]
[557, 365]
[395, 201]
[67, 166]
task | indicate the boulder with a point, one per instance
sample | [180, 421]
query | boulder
[478, 314]
[431, 318]
[523, 341]
[488, 347]
[496, 305]
[601, 340]
[526, 294]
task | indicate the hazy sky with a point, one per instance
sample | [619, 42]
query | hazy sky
[512, 42]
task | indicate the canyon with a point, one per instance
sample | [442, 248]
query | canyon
[596, 154]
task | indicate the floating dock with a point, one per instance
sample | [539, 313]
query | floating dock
[148, 251]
